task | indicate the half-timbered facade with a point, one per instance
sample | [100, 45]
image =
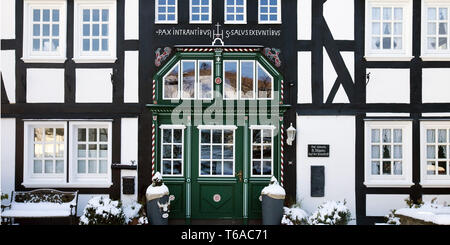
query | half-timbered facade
[97, 93]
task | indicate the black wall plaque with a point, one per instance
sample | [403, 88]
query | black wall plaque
[318, 150]
[128, 185]
[317, 181]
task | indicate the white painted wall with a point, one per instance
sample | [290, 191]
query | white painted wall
[330, 75]
[339, 133]
[304, 19]
[381, 205]
[45, 85]
[8, 156]
[129, 152]
[8, 69]
[83, 199]
[388, 86]
[387, 114]
[340, 19]
[304, 95]
[8, 19]
[93, 86]
[131, 80]
[440, 199]
[131, 19]
[436, 85]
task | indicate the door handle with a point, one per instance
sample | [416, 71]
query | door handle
[239, 175]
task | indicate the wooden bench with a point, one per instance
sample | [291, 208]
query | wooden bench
[41, 203]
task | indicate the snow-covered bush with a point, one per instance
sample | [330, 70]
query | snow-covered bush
[391, 219]
[103, 211]
[294, 216]
[330, 213]
[134, 213]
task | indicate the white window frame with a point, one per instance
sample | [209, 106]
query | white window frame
[172, 127]
[244, 21]
[81, 56]
[88, 179]
[262, 127]
[43, 180]
[403, 180]
[437, 181]
[278, 21]
[166, 21]
[434, 55]
[217, 127]
[404, 54]
[209, 21]
[30, 56]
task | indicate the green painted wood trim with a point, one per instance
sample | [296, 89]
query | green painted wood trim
[246, 164]
[188, 166]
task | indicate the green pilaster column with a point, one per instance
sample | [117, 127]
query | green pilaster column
[246, 169]
[188, 147]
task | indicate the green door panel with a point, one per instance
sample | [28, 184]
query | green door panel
[177, 206]
[254, 201]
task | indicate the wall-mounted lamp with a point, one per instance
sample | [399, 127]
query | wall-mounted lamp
[290, 134]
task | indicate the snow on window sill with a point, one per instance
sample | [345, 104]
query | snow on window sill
[388, 183]
[44, 59]
[67, 185]
[387, 57]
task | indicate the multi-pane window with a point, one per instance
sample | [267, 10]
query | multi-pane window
[200, 11]
[172, 150]
[48, 150]
[95, 34]
[240, 76]
[92, 150]
[166, 11]
[437, 22]
[262, 151]
[269, 11]
[46, 34]
[217, 151]
[235, 11]
[437, 148]
[387, 28]
[195, 81]
[386, 150]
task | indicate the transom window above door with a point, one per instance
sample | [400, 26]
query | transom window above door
[217, 153]
[200, 11]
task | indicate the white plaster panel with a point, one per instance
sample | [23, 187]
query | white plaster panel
[330, 75]
[339, 133]
[304, 77]
[129, 142]
[8, 156]
[340, 19]
[8, 70]
[83, 199]
[381, 205]
[93, 86]
[131, 19]
[8, 19]
[131, 80]
[436, 85]
[438, 114]
[45, 85]
[388, 86]
[304, 19]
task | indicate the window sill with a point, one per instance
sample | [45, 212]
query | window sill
[95, 60]
[44, 59]
[270, 23]
[166, 22]
[435, 58]
[435, 183]
[388, 183]
[388, 57]
[235, 23]
[67, 185]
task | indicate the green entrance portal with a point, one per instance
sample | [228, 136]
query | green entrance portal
[216, 131]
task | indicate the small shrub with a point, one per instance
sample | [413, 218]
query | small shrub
[294, 216]
[413, 204]
[391, 219]
[331, 213]
[103, 211]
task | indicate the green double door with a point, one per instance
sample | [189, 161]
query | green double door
[216, 180]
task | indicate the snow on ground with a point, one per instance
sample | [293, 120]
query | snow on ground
[429, 212]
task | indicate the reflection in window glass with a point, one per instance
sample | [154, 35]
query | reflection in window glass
[437, 151]
[200, 11]
[205, 79]
[45, 30]
[172, 151]
[437, 28]
[48, 150]
[171, 84]
[247, 79]
[216, 152]
[265, 83]
[387, 28]
[188, 79]
[95, 29]
[262, 152]
[235, 11]
[386, 151]
[230, 83]
[166, 10]
[92, 150]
